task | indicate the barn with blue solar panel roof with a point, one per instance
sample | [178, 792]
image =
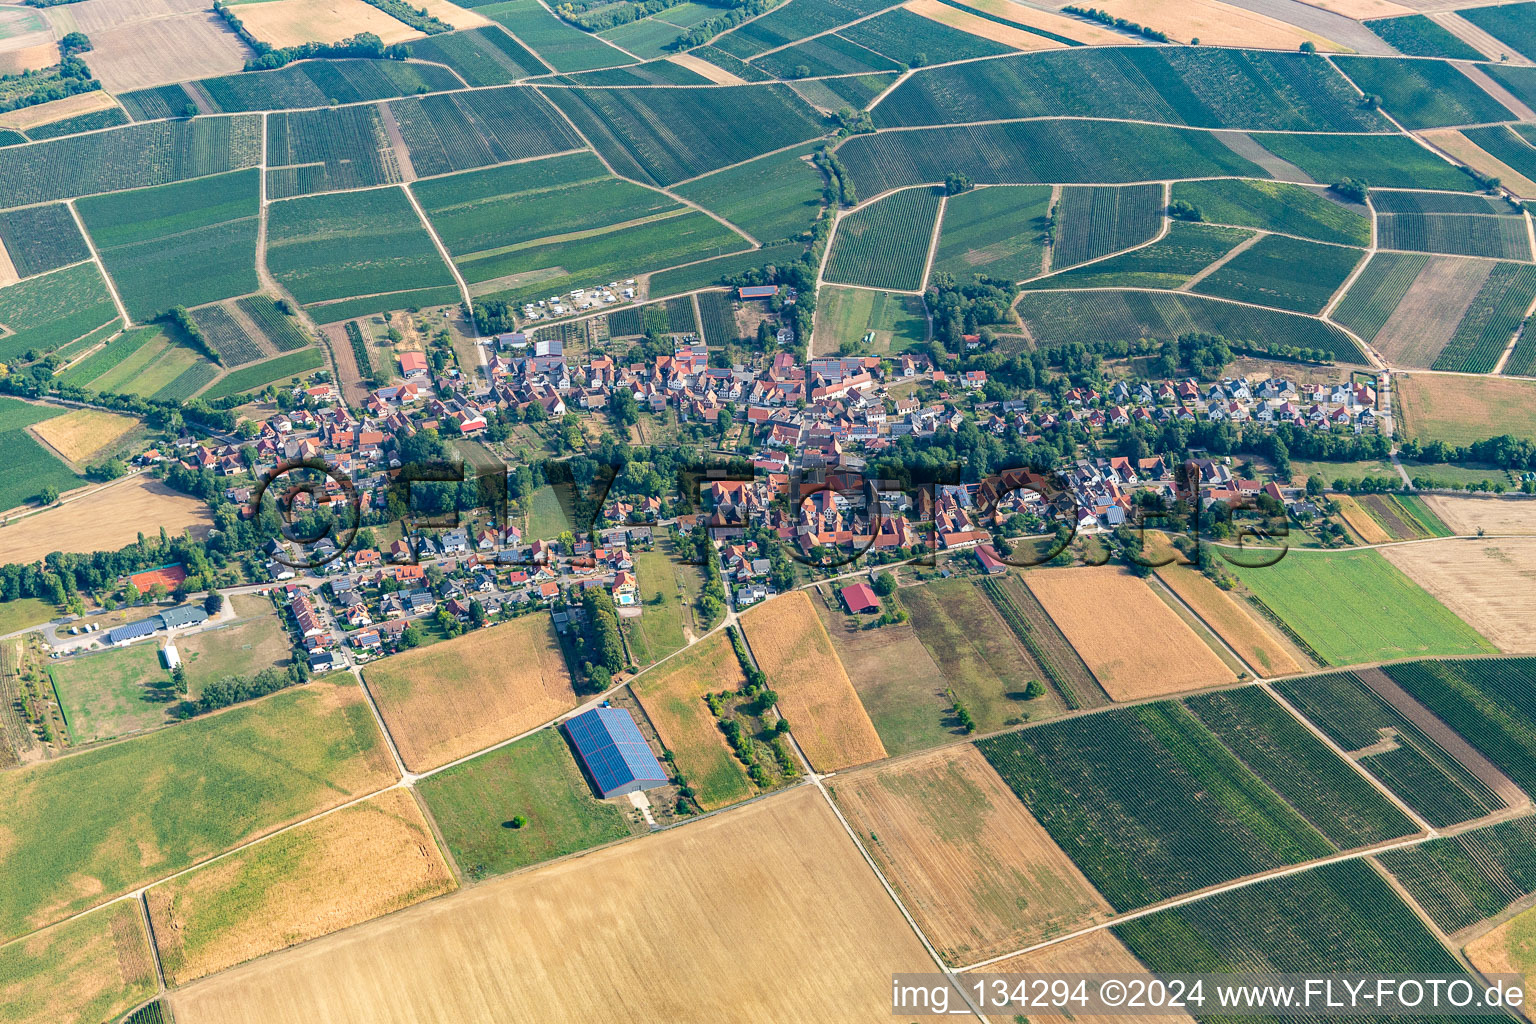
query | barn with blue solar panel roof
[613, 753]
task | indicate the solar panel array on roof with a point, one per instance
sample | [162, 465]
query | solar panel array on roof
[616, 756]
[134, 630]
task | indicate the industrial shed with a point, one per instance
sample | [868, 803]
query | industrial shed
[614, 754]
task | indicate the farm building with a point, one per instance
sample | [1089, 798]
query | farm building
[412, 364]
[614, 754]
[758, 291]
[990, 563]
[860, 599]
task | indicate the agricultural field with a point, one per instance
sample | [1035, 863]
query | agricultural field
[914, 38]
[29, 465]
[772, 197]
[314, 84]
[1286, 273]
[83, 971]
[112, 693]
[258, 375]
[1485, 582]
[361, 862]
[710, 273]
[728, 125]
[351, 244]
[824, 55]
[481, 56]
[1337, 800]
[281, 758]
[1053, 318]
[1417, 36]
[1508, 24]
[1355, 516]
[792, 648]
[1463, 879]
[1495, 150]
[472, 805]
[1096, 952]
[227, 335]
[257, 640]
[673, 699]
[1148, 803]
[1174, 259]
[475, 129]
[1468, 515]
[177, 245]
[1276, 206]
[983, 666]
[1487, 700]
[1091, 222]
[832, 928]
[1151, 652]
[1407, 330]
[104, 520]
[1355, 606]
[561, 46]
[846, 316]
[280, 330]
[327, 150]
[107, 117]
[1339, 917]
[1041, 152]
[280, 23]
[135, 45]
[1048, 647]
[660, 629]
[85, 435]
[446, 701]
[53, 310]
[885, 245]
[1425, 775]
[1457, 225]
[996, 232]
[1403, 516]
[1460, 410]
[1258, 645]
[38, 239]
[1386, 161]
[782, 27]
[1491, 319]
[1506, 949]
[1424, 93]
[1195, 86]
[976, 870]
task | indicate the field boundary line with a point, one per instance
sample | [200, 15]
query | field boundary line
[933, 244]
[154, 947]
[1166, 589]
[1232, 253]
[101, 268]
[389, 739]
[1049, 257]
[824, 32]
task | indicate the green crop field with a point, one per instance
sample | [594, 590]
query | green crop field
[1059, 317]
[322, 83]
[1042, 152]
[1424, 93]
[998, 232]
[475, 129]
[847, 91]
[719, 321]
[111, 117]
[1336, 918]
[1377, 291]
[351, 244]
[1455, 224]
[1199, 87]
[791, 22]
[1491, 319]
[652, 72]
[1276, 206]
[29, 466]
[1148, 803]
[1287, 273]
[178, 245]
[259, 375]
[1096, 221]
[1355, 606]
[561, 46]
[824, 55]
[1321, 786]
[1385, 161]
[885, 244]
[1417, 36]
[915, 40]
[41, 238]
[1519, 80]
[54, 309]
[326, 150]
[1463, 879]
[1504, 144]
[85, 971]
[726, 126]
[1417, 769]
[87, 370]
[845, 316]
[1509, 24]
[131, 157]
[227, 337]
[1168, 262]
[769, 198]
[536, 778]
[197, 788]
[481, 56]
[708, 273]
[149, 361]
[112, 693]
[278, 327]
[1488, 701]
[658, 631]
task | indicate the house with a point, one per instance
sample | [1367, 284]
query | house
[613, 753]
[413, 364]
[860, 599]
[990, 563]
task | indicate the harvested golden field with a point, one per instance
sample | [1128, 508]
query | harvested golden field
[1098, 952]
[357, 864]
[1462, 409]
[1217, 24]
[1134, 643]
[84, 971]
[673, 699]
[26, 41]
[57, 110]
[453, 14]
[1360, 520]
[793, 649]
[141, 43]
[1474, 156]
[84, 435]
[8, 274]
[1362, 10]
[1487, 583]
[936, 10]
[105, 520]
[1467, 515]
[700, 66]
[969, 861]
[294, 22]
[1259, 646]
[1080, 29]
[764, 914]
[1508, 949]
[449, 700]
